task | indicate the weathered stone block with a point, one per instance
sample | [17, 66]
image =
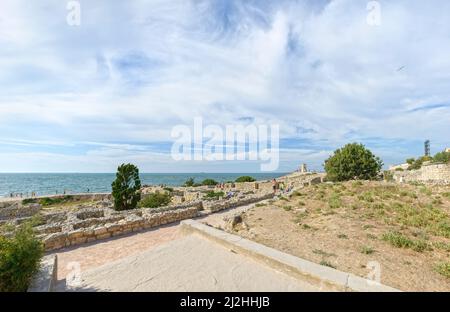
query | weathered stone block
[75, 234]
[100, 231]
[103, 236]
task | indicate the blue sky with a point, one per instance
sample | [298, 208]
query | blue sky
[87, 98]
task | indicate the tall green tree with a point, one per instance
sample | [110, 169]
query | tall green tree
[353, 161]
[126, 187]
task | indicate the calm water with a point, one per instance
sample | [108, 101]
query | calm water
[52, 183]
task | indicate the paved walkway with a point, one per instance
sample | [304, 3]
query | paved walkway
[190, 263]
[88, 256]
[162, 259]
[96, 254]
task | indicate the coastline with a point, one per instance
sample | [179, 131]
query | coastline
[56, 184]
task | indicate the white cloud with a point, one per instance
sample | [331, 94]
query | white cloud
[132, 71]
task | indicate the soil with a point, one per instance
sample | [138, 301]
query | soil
[357, 226]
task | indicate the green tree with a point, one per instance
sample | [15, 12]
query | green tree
[245, 179]
[126, 187]
[353, 161]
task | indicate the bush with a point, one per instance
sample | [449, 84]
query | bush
[353, 161]
[20, 257]
[209, 182]
[27, 201]
[213, 195]
[388, 176]
[417, 164]
[126, 187]
[155, 200]
[189, 182]
[444, 269]
[49, 201]
[367, 250]
[442, 157]
[410, 161]
[398, 240]
[335, 201]
[245, 179]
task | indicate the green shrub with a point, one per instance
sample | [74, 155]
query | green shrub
[50, 201]
[367, 250]
[399, 169]
[213, 195]
[168, 189]
[442, 157]
[366, 196]
[420, 245]
[334, 201]
[20, 257]
[353, 161]
[417, 164]
[126, 187]
[245, 179]
[444, 269]
[410, 161]
[27, 201]
[209, 182]
[398, 240]
[388, 175]
[442, 245]
[297, 193]
[155, 200]
[189, 182]
[328, 264]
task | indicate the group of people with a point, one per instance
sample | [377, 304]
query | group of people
[223, 185]
[281, 186]
[22, 195]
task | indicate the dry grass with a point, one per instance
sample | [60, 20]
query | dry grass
[406, 228]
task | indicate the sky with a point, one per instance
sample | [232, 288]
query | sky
[88, 97]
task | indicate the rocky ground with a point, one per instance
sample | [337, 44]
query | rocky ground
[400, 233]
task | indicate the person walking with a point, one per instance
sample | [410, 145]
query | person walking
[274, 185]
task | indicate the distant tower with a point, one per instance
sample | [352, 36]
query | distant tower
[303, 168]
[427, 148]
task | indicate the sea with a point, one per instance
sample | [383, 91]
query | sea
[23, 184]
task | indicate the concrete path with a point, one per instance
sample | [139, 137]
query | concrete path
[89, 256]
[189, 263]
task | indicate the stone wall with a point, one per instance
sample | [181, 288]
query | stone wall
[16, 210]
[218, 205]
[96, 224]
[70, 227]
[431, 173]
